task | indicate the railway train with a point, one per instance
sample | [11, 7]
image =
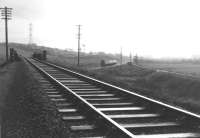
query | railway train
[108, 63]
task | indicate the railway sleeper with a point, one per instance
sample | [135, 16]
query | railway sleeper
[165, 129]
[171, 135]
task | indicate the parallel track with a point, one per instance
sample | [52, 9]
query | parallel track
[96, 109]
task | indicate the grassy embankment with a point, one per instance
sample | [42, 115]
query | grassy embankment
[169, 88]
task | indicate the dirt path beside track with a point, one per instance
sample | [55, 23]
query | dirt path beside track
[6, 79]
[25, 110]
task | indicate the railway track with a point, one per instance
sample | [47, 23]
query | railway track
[94, 109]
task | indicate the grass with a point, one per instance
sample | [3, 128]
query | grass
[172, 89]
[185, 67]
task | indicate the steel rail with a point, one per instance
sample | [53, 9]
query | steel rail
[183, 111]
[114, 125]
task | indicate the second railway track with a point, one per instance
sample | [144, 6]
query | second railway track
[96, 109]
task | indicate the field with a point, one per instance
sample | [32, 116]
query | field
[166, 87]
[185, 67]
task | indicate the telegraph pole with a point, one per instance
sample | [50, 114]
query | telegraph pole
[79, 37]
[130, 57]
[6, 15]
[121, 56]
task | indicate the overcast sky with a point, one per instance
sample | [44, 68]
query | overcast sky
[155, 28]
